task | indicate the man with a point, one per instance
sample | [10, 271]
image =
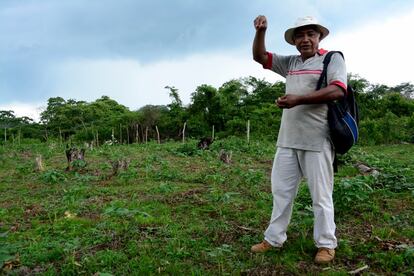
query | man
[304, 148]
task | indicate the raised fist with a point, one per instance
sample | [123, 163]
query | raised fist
[260, 23]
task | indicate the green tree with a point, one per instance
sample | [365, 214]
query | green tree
[406, 89]
[205, 111]
[398, 104]
[7, 119]
[172, 121]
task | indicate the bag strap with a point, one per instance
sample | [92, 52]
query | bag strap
[323, 78]
[323, 82]
[335, 163]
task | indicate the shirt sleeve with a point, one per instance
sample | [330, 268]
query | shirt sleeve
[336, 74]
[278, 64]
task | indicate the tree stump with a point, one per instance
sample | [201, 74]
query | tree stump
[39, 164]
[74, 154]
[225, 156]
[121, 164]
[205, 143]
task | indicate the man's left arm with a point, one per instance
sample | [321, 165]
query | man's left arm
[327, 94]
[337, 80]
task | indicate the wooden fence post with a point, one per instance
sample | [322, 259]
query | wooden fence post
[93, 142]
[137, 134]
[185, 124]
[212, 134]
[120, 133]
[158, 134]
[60, 137]
[20, 134]
[248, 131]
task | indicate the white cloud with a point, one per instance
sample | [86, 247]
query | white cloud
[24, 109]
[134, 84]
[380, 51]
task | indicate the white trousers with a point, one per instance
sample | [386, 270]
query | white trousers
[289, 166]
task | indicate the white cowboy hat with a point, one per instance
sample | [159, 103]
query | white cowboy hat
[305, 21]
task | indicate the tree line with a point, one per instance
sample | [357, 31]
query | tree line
[386, 115]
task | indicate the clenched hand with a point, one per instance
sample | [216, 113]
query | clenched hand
[260, 23]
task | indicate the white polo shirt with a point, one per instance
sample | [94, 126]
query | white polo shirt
[305, 126]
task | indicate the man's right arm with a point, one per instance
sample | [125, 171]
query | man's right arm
[259, 48]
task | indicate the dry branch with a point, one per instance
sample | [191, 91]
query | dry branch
[356, 271]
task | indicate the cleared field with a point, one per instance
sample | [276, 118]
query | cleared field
[179, 210]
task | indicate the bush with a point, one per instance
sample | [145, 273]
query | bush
[389, 129]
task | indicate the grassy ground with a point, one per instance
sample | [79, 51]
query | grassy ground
[178, 210]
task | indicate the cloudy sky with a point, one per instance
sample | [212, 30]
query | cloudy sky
[130, 50]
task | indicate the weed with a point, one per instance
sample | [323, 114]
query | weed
[128, 175]
[349, 192]
[24, 169]
[394, 179]
[6, 253]
[119, 211]
[187, 149]
[218, 195]
[164, 188]
[84, 178]
[253, 177]
[79, 164]
[220, 252]
[215, 179]
[53, 177]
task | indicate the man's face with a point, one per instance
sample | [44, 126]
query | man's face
[307, 41]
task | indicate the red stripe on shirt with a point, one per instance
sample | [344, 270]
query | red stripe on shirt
[269, 63]
[340, 84]
[305, 72]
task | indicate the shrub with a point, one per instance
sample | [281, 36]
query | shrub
[53, 177]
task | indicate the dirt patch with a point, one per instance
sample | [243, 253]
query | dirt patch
[189, 195]
[33, 211]
[26, 155]
[115, 243]
[359, 232]
[397, 206]
[92, 216]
